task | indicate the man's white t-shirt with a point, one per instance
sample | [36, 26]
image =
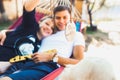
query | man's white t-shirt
[59, 42]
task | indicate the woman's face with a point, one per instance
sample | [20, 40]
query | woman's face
[61, 19]
[46, 27]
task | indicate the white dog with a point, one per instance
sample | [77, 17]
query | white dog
[89, 69]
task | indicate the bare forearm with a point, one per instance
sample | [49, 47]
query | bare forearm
[64, 61]
[78, 54]
[31, 4]
[3, 36]
[5, 31]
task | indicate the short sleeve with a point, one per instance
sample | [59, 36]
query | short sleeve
[79, 39]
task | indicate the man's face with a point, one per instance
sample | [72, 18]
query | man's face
[61, 19]
[46, 27]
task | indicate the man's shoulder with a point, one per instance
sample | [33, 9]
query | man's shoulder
[79, 34]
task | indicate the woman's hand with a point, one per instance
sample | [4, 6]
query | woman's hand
[31, 4]
[42, 57]
[2, 36]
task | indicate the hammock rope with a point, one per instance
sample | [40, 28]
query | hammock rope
[47, 6]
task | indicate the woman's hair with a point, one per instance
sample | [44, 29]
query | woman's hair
[46, 17]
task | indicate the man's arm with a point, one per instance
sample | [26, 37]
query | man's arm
[78, 54]
[77, 51]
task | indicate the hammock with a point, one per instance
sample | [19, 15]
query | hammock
[46, 8]
[53, 75]
[38, 16]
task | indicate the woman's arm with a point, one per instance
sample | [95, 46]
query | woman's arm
[31, 4]
[3, 35]
[29, 22]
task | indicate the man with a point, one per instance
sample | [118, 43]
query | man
[66, 49]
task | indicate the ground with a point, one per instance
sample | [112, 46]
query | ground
[99, 44]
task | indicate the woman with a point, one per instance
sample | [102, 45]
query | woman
[29, 32]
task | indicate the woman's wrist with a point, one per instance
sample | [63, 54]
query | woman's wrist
[4, 31]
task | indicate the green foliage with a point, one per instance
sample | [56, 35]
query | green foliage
[89, 31]
[5, 25]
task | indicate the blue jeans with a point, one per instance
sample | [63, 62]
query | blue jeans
[30, 70]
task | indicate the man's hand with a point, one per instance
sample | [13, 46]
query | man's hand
[45, 56]
[41, 57]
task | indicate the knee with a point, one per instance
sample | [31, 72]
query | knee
[4, 66]
[5, 78]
